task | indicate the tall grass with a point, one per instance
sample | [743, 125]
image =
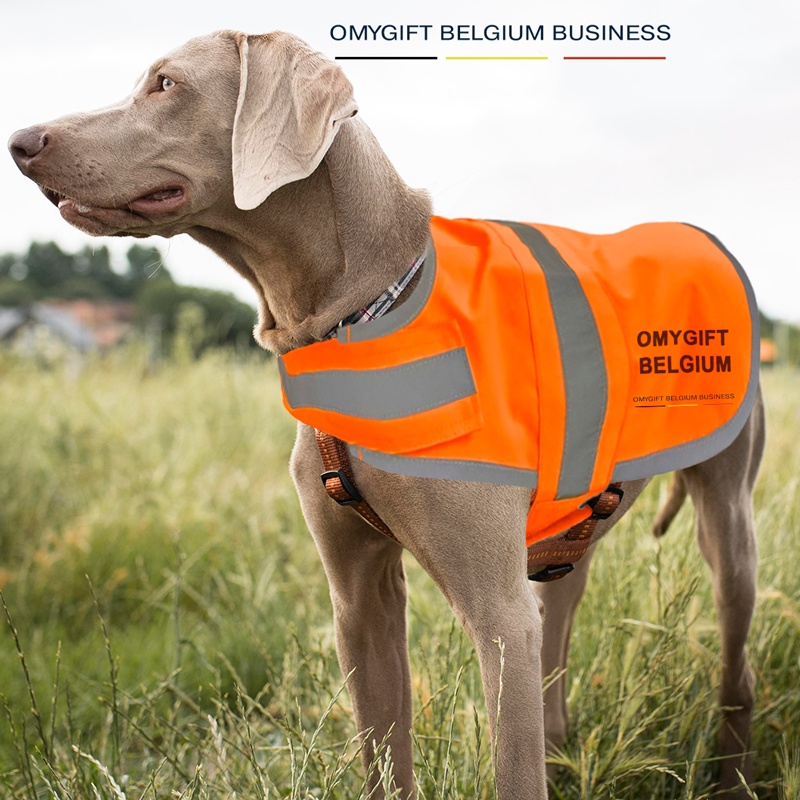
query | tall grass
[168, 628]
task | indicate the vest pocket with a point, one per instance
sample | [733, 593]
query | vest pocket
[426, 399]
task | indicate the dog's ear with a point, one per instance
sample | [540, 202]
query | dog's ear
[291, 103]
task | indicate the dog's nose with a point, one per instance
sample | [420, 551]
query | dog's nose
[27, 144]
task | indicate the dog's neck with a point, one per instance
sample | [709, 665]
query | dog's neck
[318, 249]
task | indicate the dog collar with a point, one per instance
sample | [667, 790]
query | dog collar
[381, 304]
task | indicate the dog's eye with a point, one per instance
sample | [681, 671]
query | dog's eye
[165, 83]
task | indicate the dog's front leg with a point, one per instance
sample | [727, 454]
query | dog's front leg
[368, 591]
[508, 637]
[470, 538]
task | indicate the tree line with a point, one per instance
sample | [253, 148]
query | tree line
[46, 272]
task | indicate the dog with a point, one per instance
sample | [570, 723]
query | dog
[250, 144]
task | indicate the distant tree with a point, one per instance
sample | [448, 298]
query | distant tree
[785, 336]
[145, 264]
[190, 332]
[767, 325]
[48, 265]
[16, 293]
[226, 320]
[94, 264]
[7, 260]
[80, 287]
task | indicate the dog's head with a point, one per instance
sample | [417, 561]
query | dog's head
[224, 119]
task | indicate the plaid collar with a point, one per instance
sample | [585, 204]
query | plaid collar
[381, 304]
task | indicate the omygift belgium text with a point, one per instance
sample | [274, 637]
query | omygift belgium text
[687, 361]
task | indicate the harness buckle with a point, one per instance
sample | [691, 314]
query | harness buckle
[553, 572]
[605, 514]
[354, 496]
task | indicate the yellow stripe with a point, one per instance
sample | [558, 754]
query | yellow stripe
[496, 58]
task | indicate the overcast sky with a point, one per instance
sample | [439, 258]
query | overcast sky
[709, 135]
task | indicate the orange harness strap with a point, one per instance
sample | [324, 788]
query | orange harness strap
[553, 558]
[339, 482]
[548, 560]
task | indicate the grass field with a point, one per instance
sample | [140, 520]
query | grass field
[168, 629]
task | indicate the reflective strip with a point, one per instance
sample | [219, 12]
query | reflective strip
[451, 469]
[582, 362]
[386, 393]
[398, 317]
[699, 450]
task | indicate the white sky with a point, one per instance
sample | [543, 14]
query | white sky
[709, 136]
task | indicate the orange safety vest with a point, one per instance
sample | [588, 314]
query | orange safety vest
[543, 357]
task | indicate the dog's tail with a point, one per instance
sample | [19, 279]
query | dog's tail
[667, 512]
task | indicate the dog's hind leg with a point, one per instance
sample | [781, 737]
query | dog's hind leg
[721, 489]
[670, 509]
[560, 601]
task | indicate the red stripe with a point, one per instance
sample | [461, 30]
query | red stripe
[615, 58]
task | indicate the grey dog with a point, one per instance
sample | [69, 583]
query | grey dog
[250, 145]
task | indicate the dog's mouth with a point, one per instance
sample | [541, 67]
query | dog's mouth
[159, 201]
